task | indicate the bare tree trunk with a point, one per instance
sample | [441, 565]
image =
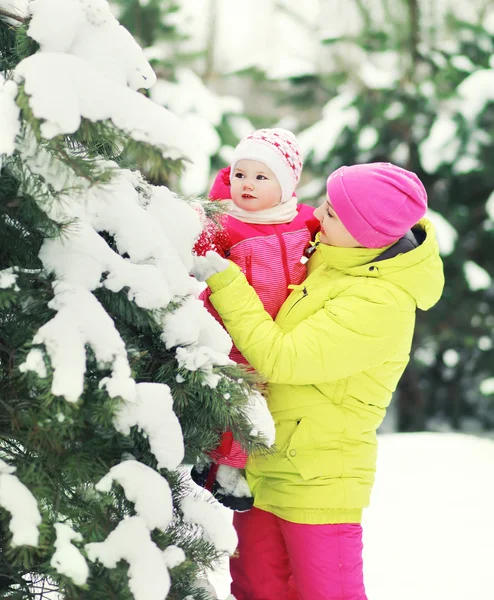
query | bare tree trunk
[414, 58]
[413, 10]
[411, 408]
[211, 41]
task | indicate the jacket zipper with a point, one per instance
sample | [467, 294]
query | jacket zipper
[248, 268]
[284, 257]
[305, 294]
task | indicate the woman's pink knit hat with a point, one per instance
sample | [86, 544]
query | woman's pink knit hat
[278, 149]
[377, 202]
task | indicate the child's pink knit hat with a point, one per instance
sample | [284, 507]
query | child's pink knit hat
[377, 202]
[278, 149]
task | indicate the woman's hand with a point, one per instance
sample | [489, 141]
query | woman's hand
[208, 265]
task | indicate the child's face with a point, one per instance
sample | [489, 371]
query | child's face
[333, 232]
[254, 186]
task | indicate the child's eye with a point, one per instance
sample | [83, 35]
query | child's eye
[239, 175]
[261, 177]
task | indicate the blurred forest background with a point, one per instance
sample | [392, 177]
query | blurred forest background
[407, 81]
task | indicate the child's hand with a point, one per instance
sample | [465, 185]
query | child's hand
[206, 266]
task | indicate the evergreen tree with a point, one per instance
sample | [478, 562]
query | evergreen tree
[422, 100]
[111, 372]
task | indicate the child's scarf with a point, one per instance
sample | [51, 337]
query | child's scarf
[281, 213]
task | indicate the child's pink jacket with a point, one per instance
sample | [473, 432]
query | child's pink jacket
[269, 255]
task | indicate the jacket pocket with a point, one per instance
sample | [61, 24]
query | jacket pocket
[314, 451]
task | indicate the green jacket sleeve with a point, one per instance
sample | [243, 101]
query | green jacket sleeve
[353, 332]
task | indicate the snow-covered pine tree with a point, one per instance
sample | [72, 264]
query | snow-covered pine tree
[112, 374]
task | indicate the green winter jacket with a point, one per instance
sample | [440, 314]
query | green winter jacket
[333, 358]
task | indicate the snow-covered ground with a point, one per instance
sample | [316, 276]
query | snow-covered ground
[429, 534]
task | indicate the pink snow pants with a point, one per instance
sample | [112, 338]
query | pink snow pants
[280, 560]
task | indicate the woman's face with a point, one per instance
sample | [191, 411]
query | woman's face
[333, 232]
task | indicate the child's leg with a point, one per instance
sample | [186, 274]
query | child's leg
[262, 570]
[326, 560]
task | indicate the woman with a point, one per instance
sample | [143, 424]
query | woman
[332, 359]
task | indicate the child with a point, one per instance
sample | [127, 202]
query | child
[265, 232]
[332, 359]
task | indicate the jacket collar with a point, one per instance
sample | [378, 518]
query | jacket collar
[346, 258]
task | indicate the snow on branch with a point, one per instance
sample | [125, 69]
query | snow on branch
[218, 530]
[9, 116]
[204, 359]
[11, 16]
[8, 279]
[21, 504]
[63, 89]
[81, 321]
[257, 412]
[67, 559]
[146, 488]
[152, 412]
[131, 541]
[180, 327]
[91, 32]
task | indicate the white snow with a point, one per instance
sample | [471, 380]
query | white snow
[428, 533]
[368, 138]
[173, 556]
[232, 481]
[477, 277]
[462, 63]
[394, 110]
[146, 488]
[258, 414]
[131, 541]
[81, 320]
[487, 386]
[441, 146]
[145, 222]
[321, 137]
[202, 112]
[451, 357]
[35, 361]
[475, 92]
[15, 7]
[426, 354]
[152, 412]
[91, 32]
[9, 116]
[8, 279]
[188, 325]
[17, 499]
[169, 210]
[213, 521]
[489, 206]
[67, 559]
[445, 232]
[202, 358]
[380, 70]
[64, 88]
[484, 343]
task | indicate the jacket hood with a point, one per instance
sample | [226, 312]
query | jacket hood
[418, 271]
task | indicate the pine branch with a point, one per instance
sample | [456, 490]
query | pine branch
[9, 15]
